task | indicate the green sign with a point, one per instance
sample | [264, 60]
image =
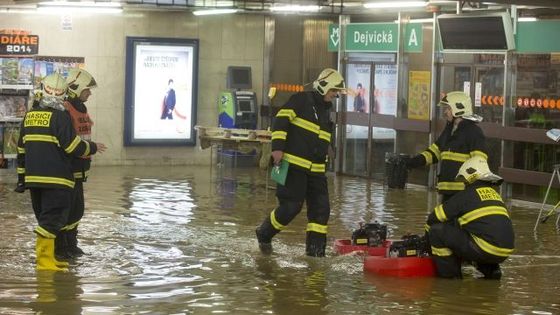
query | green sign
[372, 37]
[376, 37]
[413, 37]
[538, 37]
[334, 37]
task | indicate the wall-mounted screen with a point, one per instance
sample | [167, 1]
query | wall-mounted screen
[239, 78]
[245, 106]
[161, 91]
[484, 32]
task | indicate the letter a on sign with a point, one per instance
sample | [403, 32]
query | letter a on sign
[412, 39]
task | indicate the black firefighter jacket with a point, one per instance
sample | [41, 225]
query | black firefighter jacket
[480, 211]
[451, 149]
[46, 147]
[302, 130]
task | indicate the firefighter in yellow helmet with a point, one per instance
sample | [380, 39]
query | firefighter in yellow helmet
[301, 136]
[80, 82]
[461, 139]
[473, 225]
[46, 145]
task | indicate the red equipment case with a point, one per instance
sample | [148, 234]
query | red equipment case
[400, 266]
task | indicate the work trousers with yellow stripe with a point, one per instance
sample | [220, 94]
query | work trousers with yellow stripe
[301, 187]
[78, 204]
[51, 208]
[451, 245]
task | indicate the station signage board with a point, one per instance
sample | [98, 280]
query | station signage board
[376, 37]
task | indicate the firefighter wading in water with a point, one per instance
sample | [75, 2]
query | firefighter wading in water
[46, 147]
[80, 82]
[461, 139]
[473, 225]
[301, 136]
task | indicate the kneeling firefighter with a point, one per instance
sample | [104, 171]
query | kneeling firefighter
[46, 145]
[301, 136]
[473, 225]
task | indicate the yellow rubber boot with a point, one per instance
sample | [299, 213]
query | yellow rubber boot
[45, 255]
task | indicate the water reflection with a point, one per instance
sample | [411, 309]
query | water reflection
[181, 240]
[403, 289]
[282, 279]
[154, 201]
[57, 293]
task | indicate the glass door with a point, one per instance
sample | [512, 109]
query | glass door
[356, 131]
[384, 100]
[372, 96]
[481, 76]
[488, 92]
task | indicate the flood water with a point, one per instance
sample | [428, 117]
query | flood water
[180, 240]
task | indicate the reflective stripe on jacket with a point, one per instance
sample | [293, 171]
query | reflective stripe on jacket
[46, 146]
[302, 130]
[479, 209]
[451, 149]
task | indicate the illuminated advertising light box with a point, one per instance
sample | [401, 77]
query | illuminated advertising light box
[161, 91]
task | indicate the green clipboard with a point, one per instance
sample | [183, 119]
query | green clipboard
[280, 172]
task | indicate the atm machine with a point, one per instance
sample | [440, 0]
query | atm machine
[238, 109]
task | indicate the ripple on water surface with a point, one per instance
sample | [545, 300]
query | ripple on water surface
[167, 240]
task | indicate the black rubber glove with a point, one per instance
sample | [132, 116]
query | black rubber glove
[416, 161]
[432, 219]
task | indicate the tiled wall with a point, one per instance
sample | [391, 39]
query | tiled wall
[224, 40]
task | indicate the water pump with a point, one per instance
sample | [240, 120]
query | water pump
[410, 245]
[370, 234]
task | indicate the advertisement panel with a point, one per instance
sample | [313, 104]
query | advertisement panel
[419, 95]
[385, 96]
[161, 84]
[358, 80]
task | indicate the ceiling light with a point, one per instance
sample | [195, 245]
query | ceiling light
[214, 11]
[18, 10]
[527, 19]
[426, 20]
[81, 4]
[295, 8]
[394, 4]
[86, 6]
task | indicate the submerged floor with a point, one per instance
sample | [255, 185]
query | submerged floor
[180, 240]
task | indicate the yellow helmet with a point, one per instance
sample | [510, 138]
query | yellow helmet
[53, 91]
[328, 79]
[460, 104]
[79, 80]
[476, 168]
[54, 85]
